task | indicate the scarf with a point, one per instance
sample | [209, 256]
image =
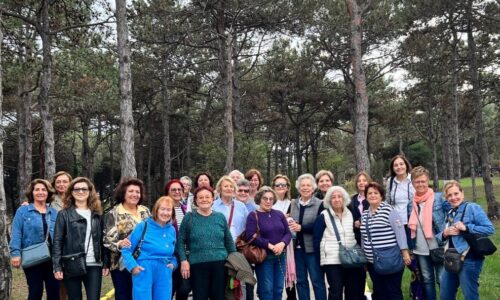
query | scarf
[428, 199]
[291, 276]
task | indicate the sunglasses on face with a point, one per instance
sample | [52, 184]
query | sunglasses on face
[80, 190]
[243, 191]
[280, 185]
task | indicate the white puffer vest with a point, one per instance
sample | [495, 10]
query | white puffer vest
[329, 247]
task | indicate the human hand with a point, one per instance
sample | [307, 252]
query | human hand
[137, 270]
[59, 275]
[15, 261]
[105, 272]
[406, 256]
[460, 226]
[185, 269]
[357, 224]
[171, 266]
[452, 230]
[295, 227]
[125, 243]
[278, 248]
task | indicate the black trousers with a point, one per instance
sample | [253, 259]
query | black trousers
[92, 282]
[39, 275]
[386, 286]
[208, 280]
[348, 281]
[180, 286]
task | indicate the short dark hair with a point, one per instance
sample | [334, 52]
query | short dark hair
[262, 191]
[121, 189]
[31, 187]
[407, 164]
[210, 179]
[377, 186]
[199, 189]
[169, 184]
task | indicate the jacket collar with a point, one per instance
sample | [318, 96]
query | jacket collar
[75, 216]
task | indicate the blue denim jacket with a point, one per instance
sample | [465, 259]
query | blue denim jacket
[476, 221]
[439, 211]
[27, 228]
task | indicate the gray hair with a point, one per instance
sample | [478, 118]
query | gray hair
[241, 175]
[262, 191]
[186, 178]
[306, 176]
[327, 201]
[243, 182]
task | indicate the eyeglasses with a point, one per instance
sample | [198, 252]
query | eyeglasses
[243, 191]
[81, 190]
[280, 185]
[176, 190]
[267, 199]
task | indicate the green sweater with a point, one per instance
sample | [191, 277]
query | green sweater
[208, 238]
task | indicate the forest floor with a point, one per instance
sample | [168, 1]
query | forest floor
[489, 282]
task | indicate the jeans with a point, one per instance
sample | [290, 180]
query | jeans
[467, 279]
[271, 278]
[386, 286]
[208, 280]
[92, 282]
[345, 281]
[122, 281]
[430, 272]
[308, 263]
[154, 282]
[36, 276]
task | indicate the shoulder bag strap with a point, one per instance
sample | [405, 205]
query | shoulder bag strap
[48, 225]
[334, 226]
[139, 246]
[367, 227]
[463, 214]
[422, 228]
[231, 215]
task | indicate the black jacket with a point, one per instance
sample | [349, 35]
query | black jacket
[69, 237]
[356, 215]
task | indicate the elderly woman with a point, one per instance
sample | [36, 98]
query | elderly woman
[243, 194]
[204, 243]
[304, 212]
[324, 180]
[274, 235]
[34, 224]
[187, 196]
[60, 182]
[118, 224]
[341, 280]
[152, 269]
[236, 175]
[381, 228]
[464, 217]
[256, 181]
[79, 231]
[426, 220]
[235, 211]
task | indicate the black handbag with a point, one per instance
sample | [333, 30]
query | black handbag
[349, 257]
[75, 265]
[479, 243]
[453, 261]
[137, 250]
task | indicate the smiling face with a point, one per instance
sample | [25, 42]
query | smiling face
[80, 192]
[235, 176]
[254, 182]
[175, 192]
[61, 184]
[374, 197]
[203, 180]
[280, 187]
[204, 200]
[164, 212]
[361, 184]
[243, 193]
[187, 186]
[306, 189]
[421, 184]
[226, 189]
[337, 201]
[132, 195]
[454, 196]
[399, 167]
[324, 183]
[40, 193]
[267, 201]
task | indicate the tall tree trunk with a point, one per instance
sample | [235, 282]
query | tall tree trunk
[361, 94]
[473, 175]
[188, 164]
[455, 133]
[236, 87]
[127, 161]
[149, 181]
[446, 147]
[493, 206]
[111, 158]
[25, 141]
[43, 97]
[433, 139]
[5, 270]
[298, 153]
[167, 160]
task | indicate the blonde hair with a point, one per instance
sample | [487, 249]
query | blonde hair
[228, 179]
[164, 199]
[288, 183]
[451, 184]
[420, 171]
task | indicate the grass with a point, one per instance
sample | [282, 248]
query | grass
[489, 281]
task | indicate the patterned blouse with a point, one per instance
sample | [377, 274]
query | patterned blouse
[118, 224]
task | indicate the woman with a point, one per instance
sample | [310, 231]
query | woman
[33, 224]
[427, 219]
[463, 217]
[236, 175]
[119, 223]
[243, 195]
[359, 203]
[381, 227]
[201, 179]
[274, 236]
[60, 182]
[281, 185]
[78, 230]
[205, 237]
[304, 212]
[341, 281]
[256, 181]
[187, 196]
[324, 180]
[400, 191]
[152, 269]
[235, 211]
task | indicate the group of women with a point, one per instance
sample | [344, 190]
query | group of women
[182, 244]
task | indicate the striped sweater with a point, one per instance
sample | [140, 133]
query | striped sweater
[385, 229]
